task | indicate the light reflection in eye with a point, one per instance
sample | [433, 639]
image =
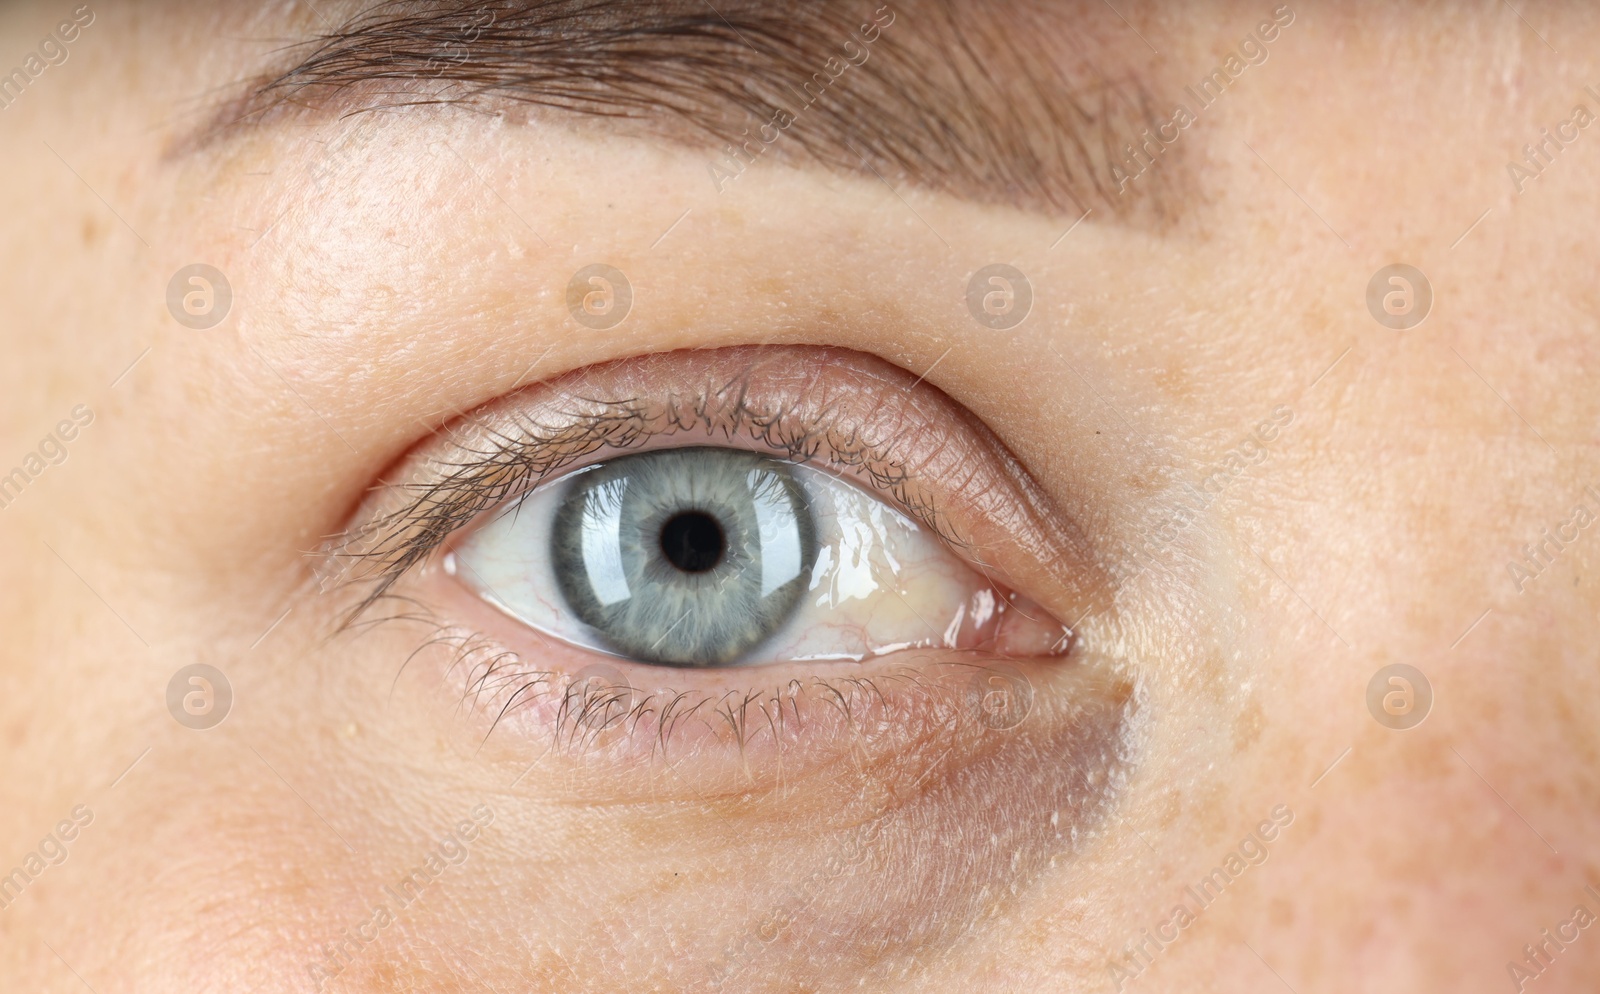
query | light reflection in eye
[712, 557]
[601, 536]
[781, 559]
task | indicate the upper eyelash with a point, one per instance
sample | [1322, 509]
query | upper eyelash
[482, 477]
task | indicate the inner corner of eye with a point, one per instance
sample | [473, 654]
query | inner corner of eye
[706, 556]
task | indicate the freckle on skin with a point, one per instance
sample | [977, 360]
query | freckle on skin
[1247, 730]
[1281, 912]
[1171, 810]
[1175, 383]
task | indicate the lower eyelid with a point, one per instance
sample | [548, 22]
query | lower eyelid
[953, 810]
[1020, 762]
[743, 730]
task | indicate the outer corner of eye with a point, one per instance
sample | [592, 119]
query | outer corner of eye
[712, 557]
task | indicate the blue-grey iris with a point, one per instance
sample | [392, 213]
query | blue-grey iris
[687, 557]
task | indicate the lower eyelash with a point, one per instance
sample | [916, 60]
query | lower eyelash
[494, 678]
[580, 720]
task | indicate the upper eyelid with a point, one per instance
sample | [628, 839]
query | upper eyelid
[499, 461]
[902, 437]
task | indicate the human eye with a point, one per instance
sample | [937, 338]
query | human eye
[769, 553]
[719, 556]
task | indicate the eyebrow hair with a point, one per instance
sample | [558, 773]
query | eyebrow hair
[994, 101]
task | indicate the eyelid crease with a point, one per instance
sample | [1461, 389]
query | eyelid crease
[855, 415]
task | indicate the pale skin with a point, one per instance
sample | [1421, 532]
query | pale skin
[420, 275]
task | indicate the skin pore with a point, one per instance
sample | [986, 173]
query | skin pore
[1245, 493]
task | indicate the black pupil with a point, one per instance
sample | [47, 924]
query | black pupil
[693, 541]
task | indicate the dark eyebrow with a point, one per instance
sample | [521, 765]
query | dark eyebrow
[995, 101]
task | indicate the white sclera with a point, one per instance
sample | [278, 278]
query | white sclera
[881, 582]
